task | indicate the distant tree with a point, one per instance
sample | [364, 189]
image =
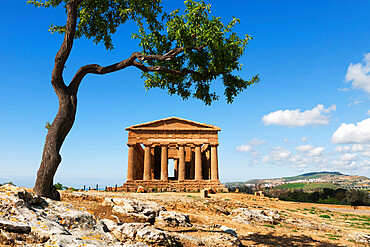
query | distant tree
[59, 186]
[11, 183]
[180, 53]
[358, 198]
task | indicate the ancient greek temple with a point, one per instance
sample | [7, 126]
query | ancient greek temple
[192, 146]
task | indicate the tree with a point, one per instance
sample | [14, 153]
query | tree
[358, 198]
[180, 53]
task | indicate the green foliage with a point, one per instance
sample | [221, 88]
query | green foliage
[71, 189]
[209, 48]
[329, 200]
[98, 20]
[47, 125]
[10, 182]
[60, 186]
[358, 197]
[307, 186]
[324, 216]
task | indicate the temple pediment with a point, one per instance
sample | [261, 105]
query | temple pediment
[173, 123]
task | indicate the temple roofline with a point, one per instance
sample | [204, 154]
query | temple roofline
[202, 126]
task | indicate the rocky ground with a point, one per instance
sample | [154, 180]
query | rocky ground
[173, 219]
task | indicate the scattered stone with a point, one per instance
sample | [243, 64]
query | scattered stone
[147, 210]
[245, 215]
[221, 209]
[14, 227]
[27, 218]
[140, 189]
[211, 191]
[221, 240]
[174, 219]
[361, 237]
[229, 231]
[204, 193]
[142, 232]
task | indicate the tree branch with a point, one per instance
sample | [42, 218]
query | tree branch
[97, 69]
[167, 70]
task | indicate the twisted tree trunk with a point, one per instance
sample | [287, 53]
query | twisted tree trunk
[51, 158]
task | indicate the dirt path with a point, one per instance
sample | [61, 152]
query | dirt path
[347, 210]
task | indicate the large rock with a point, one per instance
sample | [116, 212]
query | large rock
[26, 218]
[173, 219]
[141, 209]
[246, 215]
[220, 240]
[142, 232]
[361, 238]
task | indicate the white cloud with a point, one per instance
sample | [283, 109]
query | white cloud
[316, 151]
[368, 112]
[244, 148]
[296, 118]
[357, 148]
[348, 156]
[359, 74]
[343, 89]
[366, 154]
[299, 166]
[310, 150]
[257, 142]
[286, 140]
[351, 133]
[342, 149]
[277, 148]
[356, 102]
[304, 139]
[277, 154]
[304, 148]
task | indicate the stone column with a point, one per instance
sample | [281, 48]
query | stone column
[147, 164]
[130, 167]
[176, 168]
[181, 170]
[198, 163]
[164, 162]
[192, 164]
[214, 163]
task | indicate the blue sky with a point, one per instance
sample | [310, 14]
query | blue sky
[310, 111]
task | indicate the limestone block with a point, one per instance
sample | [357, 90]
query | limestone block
[204, 193]
[174, 219]
[140, 189]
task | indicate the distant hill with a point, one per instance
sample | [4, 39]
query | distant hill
[309, 181]
[312, 175]
[315, 173]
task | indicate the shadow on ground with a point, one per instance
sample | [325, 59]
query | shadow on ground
[271, 240]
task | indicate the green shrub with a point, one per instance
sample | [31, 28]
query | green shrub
[11, 183]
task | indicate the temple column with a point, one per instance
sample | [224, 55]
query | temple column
[198, 163]
[214, 163]
[176, 168]
[192, 164]
[181, 170]
[130, 167]
[164, 162]
[147, 163]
